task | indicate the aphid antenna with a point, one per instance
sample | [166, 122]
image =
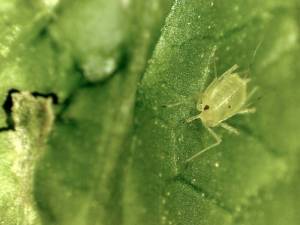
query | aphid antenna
[258, 47]
[210, 58]
[171, 105]
[252, 93]
[256, 50]
[183, 101]
[214, 60]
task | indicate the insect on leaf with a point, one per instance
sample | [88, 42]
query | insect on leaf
[234, 182]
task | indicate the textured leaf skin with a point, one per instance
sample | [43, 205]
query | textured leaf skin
[86, 136]
[245, 172]
[97, 156]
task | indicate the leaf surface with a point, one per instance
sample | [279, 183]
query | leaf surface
[220, 186]
[95, 97]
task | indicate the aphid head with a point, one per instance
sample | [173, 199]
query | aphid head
[207, 116]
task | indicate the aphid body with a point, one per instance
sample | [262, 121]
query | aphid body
[224, 98]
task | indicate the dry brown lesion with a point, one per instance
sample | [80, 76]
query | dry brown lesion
[33, 119]
[33, 114]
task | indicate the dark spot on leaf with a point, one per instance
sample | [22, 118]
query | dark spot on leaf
[49, 95]
[8, 105]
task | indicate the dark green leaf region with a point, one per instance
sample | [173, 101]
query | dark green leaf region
[95, 100]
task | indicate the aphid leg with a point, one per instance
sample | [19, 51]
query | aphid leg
[229, 71]
[251, 93]
[229, 128]
[256, 50]
[247, 80]
[247, 111]
[193, 118]
[218, 141]
[245, 74]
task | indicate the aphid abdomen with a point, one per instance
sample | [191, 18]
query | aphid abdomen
[223, 99]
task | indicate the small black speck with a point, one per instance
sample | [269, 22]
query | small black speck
[229, 107]
[206, 107]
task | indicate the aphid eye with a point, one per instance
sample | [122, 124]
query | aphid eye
[206, 107]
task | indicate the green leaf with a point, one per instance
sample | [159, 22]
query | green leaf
[95, 97]
[232, 183]
[83, 169]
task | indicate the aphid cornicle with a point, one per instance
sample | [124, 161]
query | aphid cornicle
[224, 98]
